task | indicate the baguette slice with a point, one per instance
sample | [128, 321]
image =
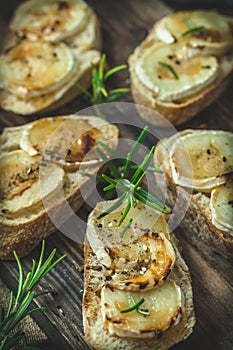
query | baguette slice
[22, 228]
[98, 337]
[75, 25]
[110, 257]
[197, 93]
[197, 224]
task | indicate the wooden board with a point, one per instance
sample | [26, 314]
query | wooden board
[125, 23]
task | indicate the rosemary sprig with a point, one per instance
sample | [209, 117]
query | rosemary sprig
[19, 304]
[127, 179]
[168, 67]
[135, 306]
[100, 93]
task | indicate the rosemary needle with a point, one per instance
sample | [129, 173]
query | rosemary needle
[168, 67]
[193, 30]
[188, 22]
[135, 306]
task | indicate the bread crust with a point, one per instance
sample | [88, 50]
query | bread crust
[177, 112]
[25, 232]
[98, 337]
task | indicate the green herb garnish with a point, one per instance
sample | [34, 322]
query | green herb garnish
[126, 179]
[126, 228]
[19, 304]
[135, 306]
[100, 94]
[188, 22]
[167, 66]
[193, 29]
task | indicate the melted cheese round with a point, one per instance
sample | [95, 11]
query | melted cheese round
[216, 37]
[141, 259]
[164, 304]
[52, 20]
[200, 159]
[36, 68]
[68, 141]
[193, 74]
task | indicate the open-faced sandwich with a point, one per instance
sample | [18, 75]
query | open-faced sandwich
[198, 165]
[41, 176]
[143, 268]
[137, 287]
[183, 65]
[51, 45]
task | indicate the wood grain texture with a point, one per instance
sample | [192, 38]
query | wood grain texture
[125, 23]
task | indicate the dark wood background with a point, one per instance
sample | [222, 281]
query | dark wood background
[125, 23]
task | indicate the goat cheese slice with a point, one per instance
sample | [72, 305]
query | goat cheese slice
[69, 141]
[154, 67]
[142, 258]
[51, 20]
[164, 304]
[35, 68]
[201, 160]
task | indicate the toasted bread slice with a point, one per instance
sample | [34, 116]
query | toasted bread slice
[40, 187]
[121, 267]
[197, 224]
[95, 334]
[178, 76]
[75, 28]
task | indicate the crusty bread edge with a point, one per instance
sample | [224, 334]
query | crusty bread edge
[98, 337]
[175, 113]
